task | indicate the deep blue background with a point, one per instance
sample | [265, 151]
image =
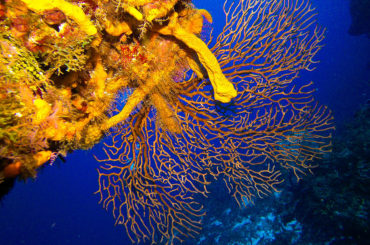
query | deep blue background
[59, 207]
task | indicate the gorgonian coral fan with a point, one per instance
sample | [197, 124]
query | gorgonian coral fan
[178, 113]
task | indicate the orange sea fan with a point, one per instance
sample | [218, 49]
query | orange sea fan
[151, 176]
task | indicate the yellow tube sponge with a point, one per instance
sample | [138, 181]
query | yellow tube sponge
[206, 15]
[165, 113]
[195, 23]
[72, 11]
[224, 90]
[134, 12]
[135, 98]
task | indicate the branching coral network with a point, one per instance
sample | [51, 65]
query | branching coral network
[179, 112]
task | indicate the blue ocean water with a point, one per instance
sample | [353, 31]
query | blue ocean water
[59, 207]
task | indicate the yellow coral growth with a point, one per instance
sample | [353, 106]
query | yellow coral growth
[206, 15]
[70, 10]
[224, 90]
[41, 157]
[136, 97]
[58, 133]
[116, 29]
[165, 113]
[43, 110]
[134, 13]
[137, 3]
[161, 10]
[98, 79]
[151, 9]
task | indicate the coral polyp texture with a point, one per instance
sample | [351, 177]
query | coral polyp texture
[179, 107]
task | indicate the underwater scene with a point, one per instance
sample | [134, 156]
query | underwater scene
[232, 122]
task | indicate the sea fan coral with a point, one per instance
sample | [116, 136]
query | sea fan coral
[152, 174]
